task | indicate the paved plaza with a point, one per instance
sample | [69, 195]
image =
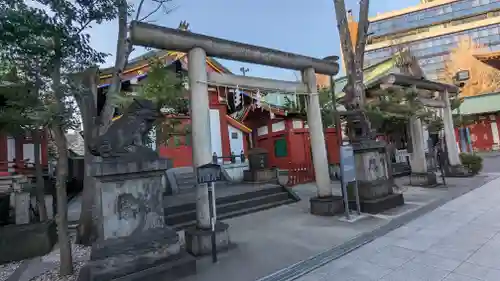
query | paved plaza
[459, 241]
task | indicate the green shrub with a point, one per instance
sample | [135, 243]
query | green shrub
[473, 162]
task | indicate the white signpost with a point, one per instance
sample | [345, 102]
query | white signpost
[209, 174]
[348, 172]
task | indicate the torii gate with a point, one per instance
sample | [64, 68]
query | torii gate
[198, 47]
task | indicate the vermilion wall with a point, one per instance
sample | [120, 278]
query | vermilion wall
[19, 142]
[481, 135]
[298, 141]
[183, 155]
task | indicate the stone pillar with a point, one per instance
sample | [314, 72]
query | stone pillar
[325, 204]
[320, 158]
[420, 175]
[49, 206]
[449, 132]
[200, 127]
[198, 238]
[22, 207]
[417, 157]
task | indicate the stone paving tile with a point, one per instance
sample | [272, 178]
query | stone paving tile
[417, 241]
[437, 261]
[459, 241]
[452, 251]
[486, 256]
[414, 271]
[360, 270]
[401, 232]
[458, 277]
[479, 272]
[392, 257]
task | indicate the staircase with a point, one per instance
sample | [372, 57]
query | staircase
[184, 215]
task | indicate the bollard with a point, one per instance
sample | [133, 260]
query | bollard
[233, 157]
[242, 157]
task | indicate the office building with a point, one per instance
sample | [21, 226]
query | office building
[432, 30]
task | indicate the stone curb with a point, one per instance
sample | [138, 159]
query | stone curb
[303, 267]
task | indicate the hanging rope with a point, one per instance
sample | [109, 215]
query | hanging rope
[252, 89]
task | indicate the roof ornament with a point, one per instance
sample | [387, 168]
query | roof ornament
[183, 25]
[350, 17]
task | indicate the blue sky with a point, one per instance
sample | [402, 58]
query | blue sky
[296, 26]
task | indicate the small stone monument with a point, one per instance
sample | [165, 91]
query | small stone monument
[374, 184]
[259, 171]
[133, 241]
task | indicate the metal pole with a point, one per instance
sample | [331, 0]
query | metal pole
[211, 200]
[358, 204]
[344, 188]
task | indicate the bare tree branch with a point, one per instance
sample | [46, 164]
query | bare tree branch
[139, 8]
[122, 47]
[346, 46]
[161, 4]
[363, 24]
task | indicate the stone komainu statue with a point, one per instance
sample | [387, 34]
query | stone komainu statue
[124, 138]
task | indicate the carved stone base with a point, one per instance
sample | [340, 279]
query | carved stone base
[261, 175]
[153, 255]
[130, 196]
[428, 179]
[327, 206]
[371, 189]
[199, 241]
[457, 171]
[379, 205]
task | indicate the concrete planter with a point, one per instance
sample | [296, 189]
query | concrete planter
[326, 206]
[18, 242]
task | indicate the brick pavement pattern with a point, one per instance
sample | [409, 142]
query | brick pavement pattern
[459, 241]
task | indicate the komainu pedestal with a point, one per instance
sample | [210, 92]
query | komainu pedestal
[134, 243]
[428, 179]
[375, 188]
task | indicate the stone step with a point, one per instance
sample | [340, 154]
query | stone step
[240, 212]
[227, 199]
[177, 218]
[230, 206]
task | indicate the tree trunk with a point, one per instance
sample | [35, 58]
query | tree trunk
[40, 186]
[66, 258]
[87, 232]
[346, 47]
[123, 49]
[94, 126]
[87, 104]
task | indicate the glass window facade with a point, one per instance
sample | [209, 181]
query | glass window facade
[433, 52]
[433, 15]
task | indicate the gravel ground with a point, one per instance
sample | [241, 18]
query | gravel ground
[49, 265]
[53, 275]
[6, 270]
[81, 255]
